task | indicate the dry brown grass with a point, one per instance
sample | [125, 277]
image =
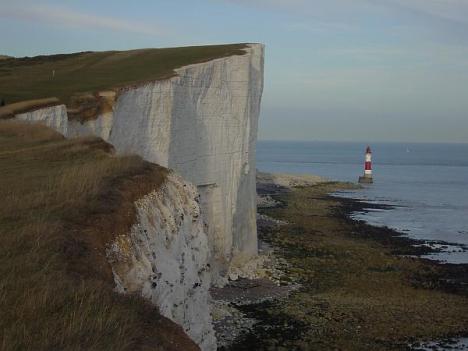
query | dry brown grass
[85, 107]
[61, 202]
[9, 111]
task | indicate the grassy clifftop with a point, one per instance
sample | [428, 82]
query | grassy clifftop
[34, 77]
[61, 202]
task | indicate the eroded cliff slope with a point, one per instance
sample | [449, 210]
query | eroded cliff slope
[62, 203]
[165, 258]
[202, 123]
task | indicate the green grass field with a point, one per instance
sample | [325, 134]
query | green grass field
[32, 77]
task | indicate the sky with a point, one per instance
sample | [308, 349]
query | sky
[343, 70]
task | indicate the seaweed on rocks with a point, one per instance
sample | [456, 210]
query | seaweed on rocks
[361, 287]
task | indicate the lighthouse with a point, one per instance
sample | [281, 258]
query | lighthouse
[367, 178]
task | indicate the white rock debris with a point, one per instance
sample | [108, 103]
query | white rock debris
[165, 258]
[266, 201]
[269, 222]
[288, 180]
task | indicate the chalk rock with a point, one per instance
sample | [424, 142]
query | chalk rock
[53, 117]
[203, 124]
[165, 258]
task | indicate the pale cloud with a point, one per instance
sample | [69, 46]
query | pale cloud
[453, 10]
[318, 26]
[310, 7]
[70, 18]
[281, 3]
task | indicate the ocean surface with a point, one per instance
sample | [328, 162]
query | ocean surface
[427, 185]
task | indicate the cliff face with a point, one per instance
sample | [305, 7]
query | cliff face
[201, 123]
[54, 117]
[165, 258]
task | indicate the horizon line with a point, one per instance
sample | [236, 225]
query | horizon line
[363, 142]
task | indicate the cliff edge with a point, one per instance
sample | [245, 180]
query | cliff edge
[200, 120]
[203, 124]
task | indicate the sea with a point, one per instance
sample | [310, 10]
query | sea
[425, 185]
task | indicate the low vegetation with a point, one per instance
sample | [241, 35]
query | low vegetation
[355, 293]
[61, 202]
[62, 76]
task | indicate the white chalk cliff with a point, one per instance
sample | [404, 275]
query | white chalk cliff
[165, 258]
[54, 117]
[202, 123]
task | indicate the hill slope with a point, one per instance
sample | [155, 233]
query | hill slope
[64, 75]
[61, 202]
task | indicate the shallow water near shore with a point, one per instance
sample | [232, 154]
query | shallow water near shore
[426, 185]
[459, 344]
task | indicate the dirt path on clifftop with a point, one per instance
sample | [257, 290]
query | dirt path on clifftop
[358, 292]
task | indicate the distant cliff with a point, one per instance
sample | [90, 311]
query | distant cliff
[202, 123]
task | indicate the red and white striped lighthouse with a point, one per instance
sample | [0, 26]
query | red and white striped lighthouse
[367, 178]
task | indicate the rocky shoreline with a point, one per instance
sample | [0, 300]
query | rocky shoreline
[452, 278]
[344, 284]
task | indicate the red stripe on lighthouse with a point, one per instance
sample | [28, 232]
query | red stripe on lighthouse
[368, 166]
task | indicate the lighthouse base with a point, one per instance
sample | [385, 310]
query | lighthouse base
[366, 180]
